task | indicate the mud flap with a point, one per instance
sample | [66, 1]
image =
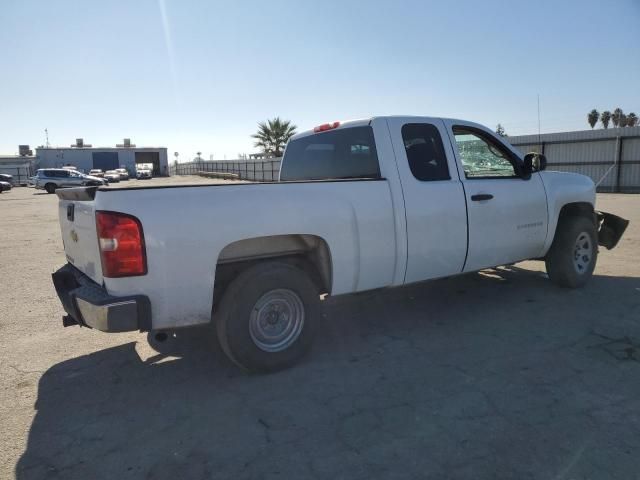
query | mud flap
[610, 229]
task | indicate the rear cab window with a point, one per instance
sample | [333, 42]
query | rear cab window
[335, 154]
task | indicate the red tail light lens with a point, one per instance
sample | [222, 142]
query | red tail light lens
[122, 249]
[326, 126]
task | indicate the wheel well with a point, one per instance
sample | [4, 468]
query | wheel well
[577, 209]
[308, 252]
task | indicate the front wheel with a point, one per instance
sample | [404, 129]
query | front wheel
[574, 252]
[50, 187]
[267, 318]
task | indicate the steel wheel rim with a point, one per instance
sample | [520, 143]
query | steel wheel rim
[582, 253]
[276, 320]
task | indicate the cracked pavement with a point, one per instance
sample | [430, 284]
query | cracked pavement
[492, 375]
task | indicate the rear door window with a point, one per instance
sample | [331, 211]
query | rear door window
[425, 152]
[343, 153]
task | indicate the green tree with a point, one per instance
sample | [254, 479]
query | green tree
[616, 117]
[500, 131]
[273, 135]
[632, 120]
[592, 117]
[605, 118]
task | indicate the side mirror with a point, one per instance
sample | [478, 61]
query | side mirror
[534, 162]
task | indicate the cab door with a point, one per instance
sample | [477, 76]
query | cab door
[507, 213]
[434, 202]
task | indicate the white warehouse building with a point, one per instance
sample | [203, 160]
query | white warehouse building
[86, 157]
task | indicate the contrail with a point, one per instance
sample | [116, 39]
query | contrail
[169, 46]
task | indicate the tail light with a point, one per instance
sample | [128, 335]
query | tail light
[122, 249]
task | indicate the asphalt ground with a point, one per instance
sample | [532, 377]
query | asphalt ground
[497, 374]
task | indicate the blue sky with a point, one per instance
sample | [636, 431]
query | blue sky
[198, 75]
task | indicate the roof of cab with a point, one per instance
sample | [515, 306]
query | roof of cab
[341, 124]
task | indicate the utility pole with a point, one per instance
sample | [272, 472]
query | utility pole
[539, 144]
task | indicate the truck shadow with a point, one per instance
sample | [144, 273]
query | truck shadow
[395, 374]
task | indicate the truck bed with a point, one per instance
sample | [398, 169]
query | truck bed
[190, 226]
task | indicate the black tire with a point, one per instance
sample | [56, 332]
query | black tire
[565, 265]
[50, 187]
[237, 314]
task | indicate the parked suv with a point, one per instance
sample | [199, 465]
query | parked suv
[50, 179]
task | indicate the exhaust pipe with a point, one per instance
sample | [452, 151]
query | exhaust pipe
[69, 321]
[161, 336]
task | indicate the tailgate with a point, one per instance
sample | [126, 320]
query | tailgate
[76, 213]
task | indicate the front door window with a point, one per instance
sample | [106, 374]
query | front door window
[482, 157]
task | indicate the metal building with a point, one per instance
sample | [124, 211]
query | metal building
[611, 157]
[86, 157]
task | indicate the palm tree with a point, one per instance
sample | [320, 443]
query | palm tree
[592, 118]
[273, 135]
[632, 120]
[616, 117]
[605, 117]
[500, 130]
[623, 120]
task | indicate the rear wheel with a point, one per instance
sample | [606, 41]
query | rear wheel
[267, 318]
[50, 187]
[574, 252]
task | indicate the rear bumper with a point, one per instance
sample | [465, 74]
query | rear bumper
[89, 305]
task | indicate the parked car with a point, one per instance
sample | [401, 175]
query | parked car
[50, 179]
[6, 182]
[112, 176]
[143, 174]
[96, 172]
[124, 174]
[362, 205]
[5, 177]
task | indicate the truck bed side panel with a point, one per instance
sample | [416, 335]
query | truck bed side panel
[186, 229]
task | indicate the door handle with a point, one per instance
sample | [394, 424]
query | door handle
[481, 196]
[71, 212]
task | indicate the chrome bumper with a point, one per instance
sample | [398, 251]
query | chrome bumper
[88, 304]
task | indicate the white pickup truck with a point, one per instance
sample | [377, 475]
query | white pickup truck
[360, 205]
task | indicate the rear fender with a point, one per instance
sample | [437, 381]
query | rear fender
[610, 229]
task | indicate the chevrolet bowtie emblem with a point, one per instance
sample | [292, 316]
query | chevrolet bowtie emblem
[74, 236]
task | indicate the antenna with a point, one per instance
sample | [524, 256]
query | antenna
[46, 136]
[539, 143]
